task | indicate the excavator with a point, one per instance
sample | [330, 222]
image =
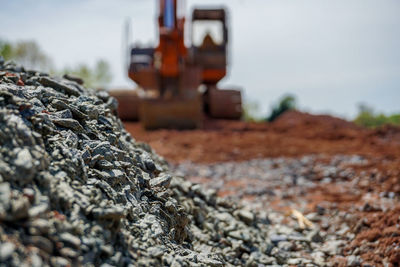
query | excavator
[178, 83]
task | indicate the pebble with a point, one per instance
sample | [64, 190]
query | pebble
[353, 261]
[246, 216]
[6, 250]
[162, 181]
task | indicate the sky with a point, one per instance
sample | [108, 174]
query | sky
[332, 55]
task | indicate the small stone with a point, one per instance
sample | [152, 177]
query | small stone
[70, 239]
[149, 163]
[277, 238]
[107, 249]
[156, 251]
[6, 250]
[314, 236]
[42, 243]
[5, 194]
[59, 86]
[333, 247]
[240, 235]
[29, 193]
[116, 174]
[104, 165]
[60, 262]
[318, 257]
[161, 181]
[294, 261]
[286, 246]
[24, 159]
[68, 123]
[320, 210]
[69, 253]
[353, 261]
[113, 213]
[212, 262]
[39, 226]
[246, 216]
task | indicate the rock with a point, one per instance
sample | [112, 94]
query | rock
[278, 238]
[5, 197]
[39, 227]
[212, 262]
[161, 181]
[240, 235]
[246, 216]
[294, 261]
[71, 240]
[68, 123]
[6, 250]
[24, 159]
[107, 249]
[333, 247]
[60, 262]
[42, 243]
[320, 210]
[73, 78]
[112, 213]
[69, 90]
[318, 257]
[24, 166]
[353, 261]
[286, 246]
[314, 236]
[69, 253]
[156, 251]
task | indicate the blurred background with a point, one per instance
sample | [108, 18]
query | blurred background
[331, 56]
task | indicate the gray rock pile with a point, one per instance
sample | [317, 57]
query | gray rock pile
[76, 189]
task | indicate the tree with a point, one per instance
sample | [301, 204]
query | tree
[251, 111]
[98, 77]
[287, 102]
[30, 55]
[5, 50]
[368, 118]
[26, 53]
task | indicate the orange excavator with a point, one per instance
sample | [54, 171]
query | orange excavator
[178, 84]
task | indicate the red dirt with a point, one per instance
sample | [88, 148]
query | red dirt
[293, 134]
[296, 134]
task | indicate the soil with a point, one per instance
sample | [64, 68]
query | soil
[297, 134]
[293, 134]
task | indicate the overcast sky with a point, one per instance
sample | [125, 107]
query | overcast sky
[331, 54]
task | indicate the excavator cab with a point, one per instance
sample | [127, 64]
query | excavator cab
[209, 51]
[209, 43]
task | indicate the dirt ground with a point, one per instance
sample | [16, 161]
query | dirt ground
[297, 134]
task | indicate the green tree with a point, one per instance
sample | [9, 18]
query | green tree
[5, 50]
[97, 77]
[30, 55]
[26, 53]
[368, 118]
[251, 111]
[287, 102]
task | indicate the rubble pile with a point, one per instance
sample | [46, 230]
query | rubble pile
[76, 189]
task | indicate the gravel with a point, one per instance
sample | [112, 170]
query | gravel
[77, 189]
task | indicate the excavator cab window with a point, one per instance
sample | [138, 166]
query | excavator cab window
[207, 33]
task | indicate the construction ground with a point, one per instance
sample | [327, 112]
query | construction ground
[342, 177]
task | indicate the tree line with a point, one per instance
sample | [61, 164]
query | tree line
[29, 54]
